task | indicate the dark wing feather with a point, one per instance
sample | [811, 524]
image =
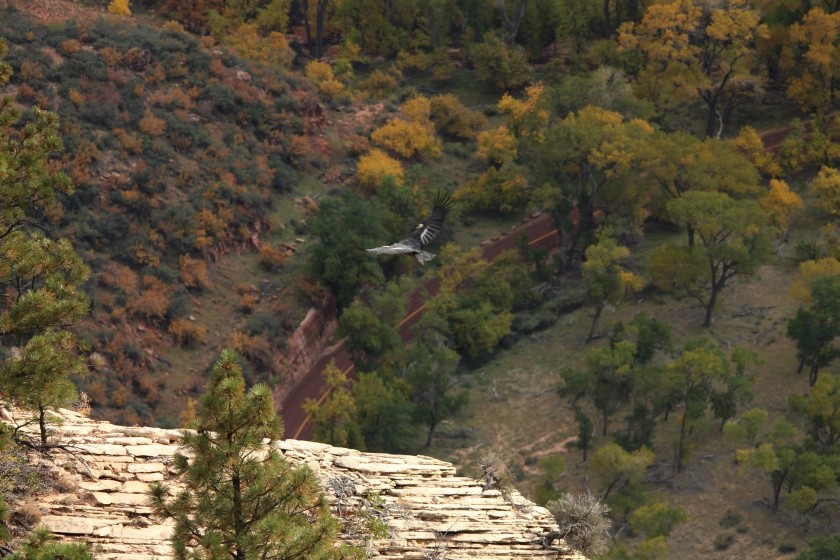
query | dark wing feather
[426, 232]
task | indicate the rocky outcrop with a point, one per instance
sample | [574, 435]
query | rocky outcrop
[429, 512]
[306, 345]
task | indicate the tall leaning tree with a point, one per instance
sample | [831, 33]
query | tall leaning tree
[41, 277]
[241, 499]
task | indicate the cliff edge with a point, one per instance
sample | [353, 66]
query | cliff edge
[430, 513]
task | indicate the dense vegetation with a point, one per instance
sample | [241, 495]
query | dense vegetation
[207, 151]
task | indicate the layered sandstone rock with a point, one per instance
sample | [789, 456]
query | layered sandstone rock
[428, 510]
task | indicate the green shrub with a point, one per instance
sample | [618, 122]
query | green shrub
[731, 519]
[724, 540]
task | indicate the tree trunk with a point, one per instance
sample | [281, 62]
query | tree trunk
[430, 434]
[710, 307]
[307, 27]
[606, 419]
[238, 525]
[777, 491]
[681, 444]
[607, 20]
[42, 424]
[812, 374]
[512, 24]
[597, 316]
[319, 28]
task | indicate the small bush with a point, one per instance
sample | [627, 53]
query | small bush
[787, 548]
[271, 257]
[27, 514]
[583, 522]
[186, 332]
[724, 540]
[453, 119]
[731, 519]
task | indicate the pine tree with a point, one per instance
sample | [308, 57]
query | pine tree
[241, 499]
[41, 545]
[40, 277]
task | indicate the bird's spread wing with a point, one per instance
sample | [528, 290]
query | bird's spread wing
[426, 232]
[398, 248]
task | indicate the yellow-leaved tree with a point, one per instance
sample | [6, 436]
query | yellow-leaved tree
[818, 63]
[781, 203]
[691, 48]
[412, 134]
[826, 186]
[527, 116]
[119, 7]
[808, 272]
[321, 74]
[374, 167]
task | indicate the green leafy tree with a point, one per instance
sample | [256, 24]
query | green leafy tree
[40, 278]
[815, 327]
[605, 278]
[343, 228]
[821, 408]
[371, 330]
[241, 498]
[657, 519]
[737, 387]
[588, 161]
[822, 548]
[734, 241]
[334, 419]
[605, 382]
[431, 372]
[685, 163]
[699, 367]
[619, 469]
[498, 64]
[385, 413]
[789, 464]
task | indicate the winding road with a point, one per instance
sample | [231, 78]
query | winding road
[538, 229]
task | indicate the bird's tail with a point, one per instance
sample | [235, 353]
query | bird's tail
[423, 256]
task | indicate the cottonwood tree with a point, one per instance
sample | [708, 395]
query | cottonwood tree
[733, 241]
[814, 40]
[587, 163]
[431, 371]
[814, 328]
[606, 381]
[826, 186]
[604, 276]
[700, 366]
[780, 452]
[685, 163]
[691, 48]
[821, 408]
[241, 498]
[781, 204]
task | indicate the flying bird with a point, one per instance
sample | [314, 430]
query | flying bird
[423, 234]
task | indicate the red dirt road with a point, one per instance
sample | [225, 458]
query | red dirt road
[539, 231]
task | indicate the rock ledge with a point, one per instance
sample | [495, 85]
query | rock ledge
[429, 511]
